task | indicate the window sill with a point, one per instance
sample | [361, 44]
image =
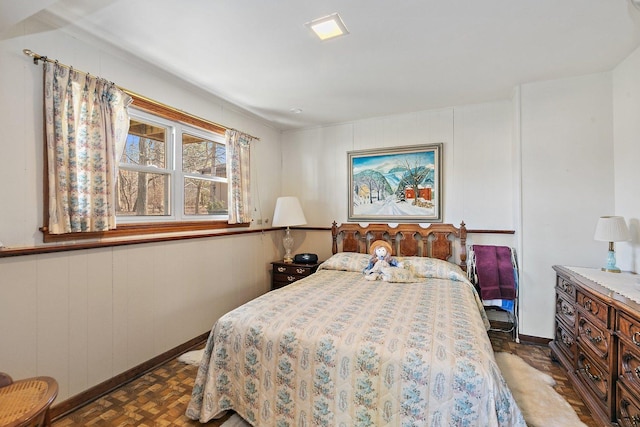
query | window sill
[129, 231]
[130, 234]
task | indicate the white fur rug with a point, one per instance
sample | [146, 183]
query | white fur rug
[191, 357]
[235, 421]
[533, 390]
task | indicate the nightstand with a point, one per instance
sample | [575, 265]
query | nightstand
[286, 273]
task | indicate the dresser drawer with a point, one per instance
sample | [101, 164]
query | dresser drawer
[297, 269]
[627, 408]
[565, 312]
[629, 329]
[593, 306]
[285, 279]
[594, 376]
[629, 366]
[566, 342]
[594, 336]
[566, 287]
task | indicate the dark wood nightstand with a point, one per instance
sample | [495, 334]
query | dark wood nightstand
[286, 273]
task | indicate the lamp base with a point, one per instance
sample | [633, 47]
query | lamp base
[287, 242]
[611, 261]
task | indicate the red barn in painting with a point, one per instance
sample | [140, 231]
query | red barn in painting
[423, 193]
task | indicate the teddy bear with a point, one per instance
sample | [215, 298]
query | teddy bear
[381, 258]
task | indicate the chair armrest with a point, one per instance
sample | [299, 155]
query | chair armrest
[5, 379]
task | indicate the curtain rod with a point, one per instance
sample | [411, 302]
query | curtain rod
[36, 57]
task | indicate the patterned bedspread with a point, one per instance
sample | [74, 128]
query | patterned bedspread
[335, 349]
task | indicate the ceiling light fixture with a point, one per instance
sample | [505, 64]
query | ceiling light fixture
[328, 27]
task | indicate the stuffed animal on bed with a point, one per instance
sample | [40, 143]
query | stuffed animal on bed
[380, 258]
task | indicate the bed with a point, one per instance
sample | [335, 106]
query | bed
[334, 349]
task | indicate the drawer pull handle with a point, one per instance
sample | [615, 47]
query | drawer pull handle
[291, 278]
[635, 340]
[589, 374]
[300, 270]
[282, 269]
[587, 304]
[593, 339]
[627, 369]
[635, 419]
[566, 310]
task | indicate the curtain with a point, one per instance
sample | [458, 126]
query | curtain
[86, 125]
[239, 175]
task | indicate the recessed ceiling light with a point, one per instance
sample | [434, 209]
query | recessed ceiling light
[328, 27]
[295, 110]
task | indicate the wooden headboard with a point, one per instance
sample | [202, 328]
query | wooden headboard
[435, 241]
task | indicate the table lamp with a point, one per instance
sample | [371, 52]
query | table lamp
[611, 229]
[288, 212]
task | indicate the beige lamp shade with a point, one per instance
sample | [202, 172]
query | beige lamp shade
[288, 212]
[611, 229]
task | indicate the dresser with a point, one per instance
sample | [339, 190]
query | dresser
[597, 340]
[286, 273]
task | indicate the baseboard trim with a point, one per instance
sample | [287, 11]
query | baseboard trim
[75, 402]
[528, 339]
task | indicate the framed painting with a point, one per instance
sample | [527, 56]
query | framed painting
[400, 184]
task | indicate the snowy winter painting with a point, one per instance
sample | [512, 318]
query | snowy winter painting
[400, 184]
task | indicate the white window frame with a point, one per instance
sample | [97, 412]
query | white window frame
[173, 168]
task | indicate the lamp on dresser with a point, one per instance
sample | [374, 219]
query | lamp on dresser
[288, 213]
[611, 229]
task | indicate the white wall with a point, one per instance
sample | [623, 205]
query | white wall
[567, 183]
[477, 161]
[626, 130]
[86, 316]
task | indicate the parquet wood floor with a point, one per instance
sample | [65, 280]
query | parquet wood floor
[160, 397]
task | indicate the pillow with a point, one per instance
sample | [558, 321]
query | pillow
[346, 261]
[433, 268]
[399, 275]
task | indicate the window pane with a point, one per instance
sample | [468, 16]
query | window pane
[146, 145]
[142, 193]
[204, 197]
[220, 161]
[203, 156]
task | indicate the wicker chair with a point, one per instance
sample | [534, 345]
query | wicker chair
[25, 403]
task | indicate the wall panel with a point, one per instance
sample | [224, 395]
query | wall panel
[100, 316]
[567, 183]
[626, 108]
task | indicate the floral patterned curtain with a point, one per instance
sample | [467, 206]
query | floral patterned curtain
[86, 123]
[239, 173]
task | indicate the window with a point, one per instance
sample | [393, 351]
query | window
[172, 176]
[171, 171]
